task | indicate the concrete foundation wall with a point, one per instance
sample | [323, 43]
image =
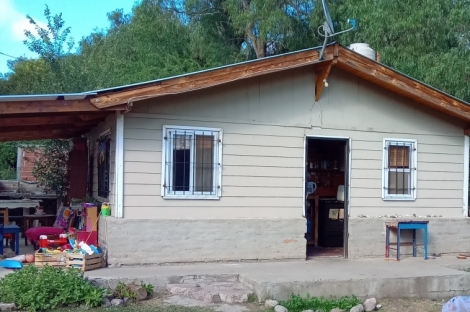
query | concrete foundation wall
[137, 242]
[445, 236]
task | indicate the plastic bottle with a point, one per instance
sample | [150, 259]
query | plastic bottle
[84, 246]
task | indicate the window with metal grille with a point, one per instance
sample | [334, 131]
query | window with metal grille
[103, 166]
[399, 169]
[191, 164]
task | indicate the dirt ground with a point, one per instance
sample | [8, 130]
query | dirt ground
[408, 305]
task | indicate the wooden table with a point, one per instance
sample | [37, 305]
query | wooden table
[15, 230]
[400, 225]
[45, 219]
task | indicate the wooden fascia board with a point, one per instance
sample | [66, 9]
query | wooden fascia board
[49, 106]
[212, 78]
[321, 74]
[467, 131]
[398, 83]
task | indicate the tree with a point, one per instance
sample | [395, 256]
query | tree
[425, 39]
[8, 152]
[51, 166]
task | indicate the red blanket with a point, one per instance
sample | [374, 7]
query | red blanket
[33, 233]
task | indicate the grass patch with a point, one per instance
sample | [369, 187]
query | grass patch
[252, 298]
[299, 304]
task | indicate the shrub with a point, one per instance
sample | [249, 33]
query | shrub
[32, 289]
[297, 303]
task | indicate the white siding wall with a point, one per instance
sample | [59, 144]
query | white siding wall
[94, 135]
[265, 121]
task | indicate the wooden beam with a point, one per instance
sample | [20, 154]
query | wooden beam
[398, 83]
[94, 116]
[47, 127]
[321, 74]
[39, 135]
[34, 121]
[467, 132]
[211, 78]
[50, 106]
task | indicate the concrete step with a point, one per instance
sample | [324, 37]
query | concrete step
[233, 292]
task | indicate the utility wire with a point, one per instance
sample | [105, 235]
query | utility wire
[8, 55]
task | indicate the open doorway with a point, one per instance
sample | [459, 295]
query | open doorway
[326, 198]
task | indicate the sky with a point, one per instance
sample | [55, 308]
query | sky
[82, 16]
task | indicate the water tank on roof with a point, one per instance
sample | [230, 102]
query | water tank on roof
[364, 49]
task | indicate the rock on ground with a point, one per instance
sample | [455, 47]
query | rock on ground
[271, 303]
[337, 310]
[7, 307]
[280, 308]
[369, 304]
[116, 302]
[307, 311]
[358, 308]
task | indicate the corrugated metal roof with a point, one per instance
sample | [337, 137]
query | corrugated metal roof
[45, 97]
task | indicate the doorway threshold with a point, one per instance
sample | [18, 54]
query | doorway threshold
[320, 252]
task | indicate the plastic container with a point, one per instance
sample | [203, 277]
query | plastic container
[44, 242]
[85, 248]
[105, 210]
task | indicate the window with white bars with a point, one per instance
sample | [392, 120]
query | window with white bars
[399, 169]
[191, 162]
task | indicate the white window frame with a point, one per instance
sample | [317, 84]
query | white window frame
[166, 167]
[413, 182]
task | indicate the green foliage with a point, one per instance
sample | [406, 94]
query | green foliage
[298, 304]
[8, 152]
[252, 298]
[148, 287]
[51, 167]
[34, 289]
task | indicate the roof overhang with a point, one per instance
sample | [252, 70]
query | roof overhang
[335, 55]
[26, 117]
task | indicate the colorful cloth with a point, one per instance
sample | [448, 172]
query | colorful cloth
[64, 215]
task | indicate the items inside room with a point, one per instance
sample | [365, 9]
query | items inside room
[326, 182]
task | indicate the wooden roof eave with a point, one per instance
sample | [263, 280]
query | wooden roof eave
[211, 78]
[401, 84]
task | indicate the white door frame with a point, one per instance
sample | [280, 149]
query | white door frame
[311, 136]
[465, 175]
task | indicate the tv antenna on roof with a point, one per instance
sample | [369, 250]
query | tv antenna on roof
[328, 29]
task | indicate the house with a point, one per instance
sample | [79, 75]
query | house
[276, 158]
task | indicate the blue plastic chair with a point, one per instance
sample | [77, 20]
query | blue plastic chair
[2, 230]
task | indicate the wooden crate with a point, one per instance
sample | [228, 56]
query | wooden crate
[85, 262]
[55, 260]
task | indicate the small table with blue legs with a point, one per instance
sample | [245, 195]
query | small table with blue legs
[400, 225]
[11, 229]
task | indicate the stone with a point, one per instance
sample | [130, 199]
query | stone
[377, 307]
[271, 303]
[369, 304]
[125, 300]
[358, 308]
[7, 306]
[307, 311]
[107, 303]
[116, 302]
[280, 308]
[337, 310]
